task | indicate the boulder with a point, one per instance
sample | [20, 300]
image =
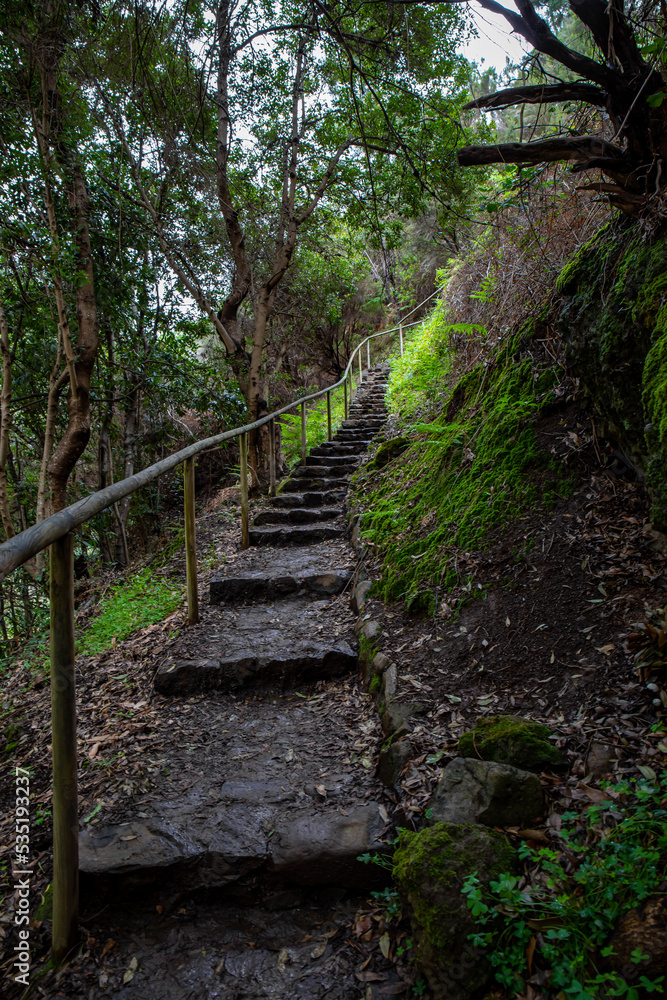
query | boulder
[429, 870]
[508, 739]
[480, 791]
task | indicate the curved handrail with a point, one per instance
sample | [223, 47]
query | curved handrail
[22, 547]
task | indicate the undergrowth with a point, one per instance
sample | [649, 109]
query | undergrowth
[418, 379]
[554, 925]
[142, 600]
[474, 467]
[316, 425]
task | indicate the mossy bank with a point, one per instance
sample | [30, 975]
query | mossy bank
[611, 311]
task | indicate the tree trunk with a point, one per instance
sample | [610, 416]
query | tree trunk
[5, 423]
[76, 437]
[122, 554]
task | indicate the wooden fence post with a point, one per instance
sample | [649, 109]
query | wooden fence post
[303, 433]
[361, 377]
[345, 391]
[272, 457]
[329, 435]
[245, 509]
[368, 356]
[400, 335]
[65, 927]
[190, 540]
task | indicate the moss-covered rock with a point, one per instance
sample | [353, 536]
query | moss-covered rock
[507, 739]
[429, 869]
[613, 319]
[390, 450]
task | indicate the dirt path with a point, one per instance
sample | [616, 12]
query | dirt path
[229, 867]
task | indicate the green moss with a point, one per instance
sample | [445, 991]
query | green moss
[613, 319]
[469, 470]
[374, 684]
[507, 739]
[388, 451]
[429, 870]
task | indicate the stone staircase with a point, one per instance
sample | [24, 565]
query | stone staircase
[277, 795]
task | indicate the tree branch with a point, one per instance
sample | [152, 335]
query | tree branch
[541, 151]
[541, 94]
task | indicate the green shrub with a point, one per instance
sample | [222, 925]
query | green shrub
[612, 858]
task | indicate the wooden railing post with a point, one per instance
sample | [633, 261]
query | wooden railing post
[361, 377]
[303, 433]
[65, 932]
[272, 457]
[345, 392]
[245, 509]
[368, 355]
[400, 337]
[190, 540]
[329, 434]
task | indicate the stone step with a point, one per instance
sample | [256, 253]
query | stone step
[321, 485]
[297, 515]
[354, 424]
[295, 534]
[263, 574]
[330, 461]
[309, 471]
[328, 498]
[336, 448]
[269, 646]
[251, 824]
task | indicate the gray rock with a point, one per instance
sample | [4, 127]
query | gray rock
[370, 630]
[389, 682]
[359, 596]
[480, 791]
[380, 662]
[391, 761]
[196, 850]
[399, 712]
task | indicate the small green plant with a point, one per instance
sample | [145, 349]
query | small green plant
[563, 914]
[141, 600]
[388, 899]
[41, 815]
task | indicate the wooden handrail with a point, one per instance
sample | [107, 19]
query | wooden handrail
[56, 531]
[22, 547]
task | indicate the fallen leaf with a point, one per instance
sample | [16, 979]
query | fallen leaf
[647, 772]
[370, 977]
[385, 944]
[321, 790]
[130, 971]
[93, 751]
[108, 946]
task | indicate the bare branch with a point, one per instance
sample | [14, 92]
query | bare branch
[540, 94]
[541, 151]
